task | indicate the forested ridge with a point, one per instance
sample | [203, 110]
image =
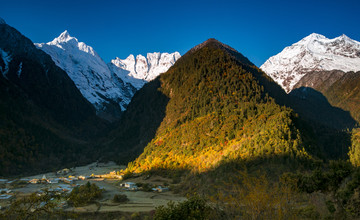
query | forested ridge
[218, 110]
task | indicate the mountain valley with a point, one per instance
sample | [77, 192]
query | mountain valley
[279, 142]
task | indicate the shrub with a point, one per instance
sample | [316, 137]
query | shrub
[85, 194]
[136, 216]
[120, 198]
[176, 180]
[193, 208]
[127, 175]
[18, 184]
[139, 184]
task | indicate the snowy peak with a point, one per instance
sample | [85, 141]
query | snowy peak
[131, 57]
[68, 53]
[344, 37]
[90, 74]
[64, 37]
[66, 42]
[149, 67]
[312, 37]
[126, 64]
[313, 53]
[105, 84]
[317, 43]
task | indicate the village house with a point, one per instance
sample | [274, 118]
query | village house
[44, 179]
[62, 188]
[63, 171]
[2, 191]
[130, 185]
[34, 181]
[160, 189]
[82, 177]
[68, 180]
[5, 196]
[55, 180]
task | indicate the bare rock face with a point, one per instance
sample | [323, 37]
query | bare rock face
[319, 79]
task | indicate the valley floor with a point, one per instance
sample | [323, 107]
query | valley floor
[98, 173]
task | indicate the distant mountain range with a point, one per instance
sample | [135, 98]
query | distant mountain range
[313, 53]
[146, 68]
[109, 87]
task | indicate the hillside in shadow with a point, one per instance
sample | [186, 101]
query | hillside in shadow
[138, 125]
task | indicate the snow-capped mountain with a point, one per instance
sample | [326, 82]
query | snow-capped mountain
[145, 68]
[43, 115]
[109, 87]
[90, 73]
[30, 74]
[313, 53]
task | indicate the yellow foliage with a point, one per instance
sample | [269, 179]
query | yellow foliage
[250, 197]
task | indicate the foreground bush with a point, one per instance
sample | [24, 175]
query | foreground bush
[120, 198]
[193, 208]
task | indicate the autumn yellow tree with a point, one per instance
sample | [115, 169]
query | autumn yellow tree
[354, 151]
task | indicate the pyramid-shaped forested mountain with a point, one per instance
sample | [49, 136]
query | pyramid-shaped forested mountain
[215, 105]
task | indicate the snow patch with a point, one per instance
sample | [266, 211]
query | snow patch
[20, 69]
[6, 57]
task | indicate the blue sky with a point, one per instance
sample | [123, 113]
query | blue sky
[257, 29]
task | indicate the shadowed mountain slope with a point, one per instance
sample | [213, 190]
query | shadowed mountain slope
[45, 122]
[340, 88]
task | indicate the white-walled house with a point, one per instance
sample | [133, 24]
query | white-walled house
[130, 185]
